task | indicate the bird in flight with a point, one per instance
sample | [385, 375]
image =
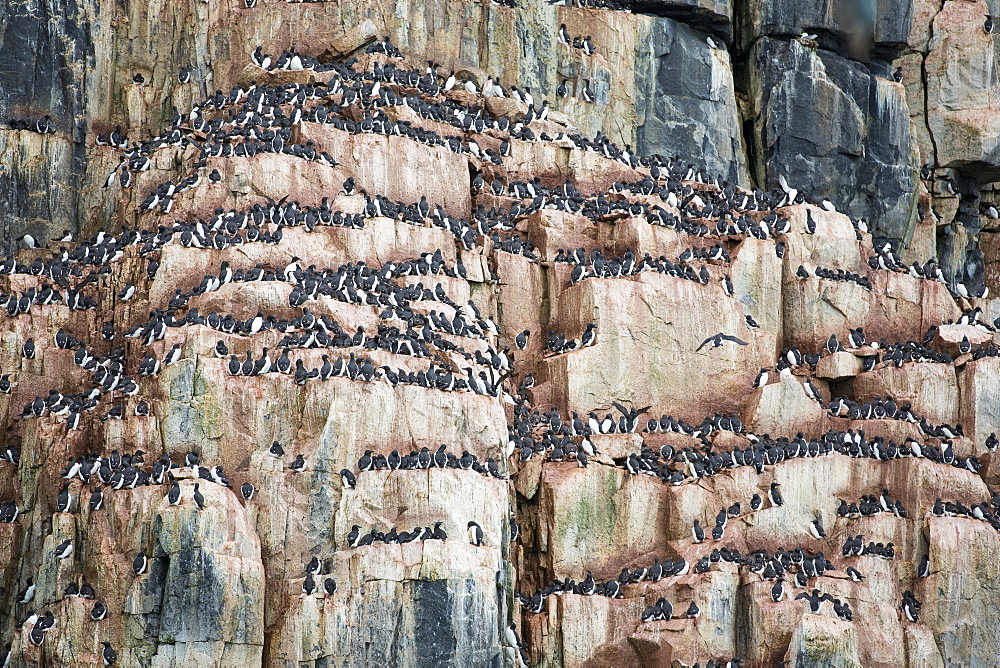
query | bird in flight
[718, 340]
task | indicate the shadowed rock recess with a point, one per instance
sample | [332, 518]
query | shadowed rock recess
[499, 334]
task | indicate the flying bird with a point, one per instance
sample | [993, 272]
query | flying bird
[718, 340]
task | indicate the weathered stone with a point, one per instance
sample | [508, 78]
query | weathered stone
[584, 510]
[355, 38]
[931, 388]
[224, 584]
[823, 642]
[960, 84]
[839, 24]
[835, 129]
[979, 388]
[688, 105]
[784, 407]
[838, 366]
[963, 566]
[616, 307]
[712, 15]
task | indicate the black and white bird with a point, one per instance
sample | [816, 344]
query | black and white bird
[64, 549]
[64, 500]
[140, 563]
[172, 355]
[96, 499]
[99, 611]
[521, 340]
[816, 528]
[564, 36]
[199, 498]
[28, 593]
[308, 584]
[718, 340]
[174, 494]
[774, 496]
[108, 654]
[778, 591]
[475, 534]
[698, 533]
[910, 606]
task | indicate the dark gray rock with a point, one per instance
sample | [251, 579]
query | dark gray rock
[892, 22]
[713, 15]
[142, 614]
[452, 623]
[686, 103]
[847, 25]
[426, 623]
[192, 599]
[44, 45]
[834, 131]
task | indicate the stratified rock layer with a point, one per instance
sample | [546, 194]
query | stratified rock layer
[334, 553]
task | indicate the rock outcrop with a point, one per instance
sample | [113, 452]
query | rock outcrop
[354, 366]
[731, 83]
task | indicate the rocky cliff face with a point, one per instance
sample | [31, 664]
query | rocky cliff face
[347, 362]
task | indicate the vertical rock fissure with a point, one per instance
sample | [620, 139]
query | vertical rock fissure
[932, 160]
[739, 55]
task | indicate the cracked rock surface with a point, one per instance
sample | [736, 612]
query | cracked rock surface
[325, 324]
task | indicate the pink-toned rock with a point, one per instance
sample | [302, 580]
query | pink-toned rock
[931, 388]
[575, 530]
[979, 409]
[961, 88]
[838, 366]
[636, 357]
[387, 165]
[783, 408]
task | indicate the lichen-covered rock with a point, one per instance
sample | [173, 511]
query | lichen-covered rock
[820, 642]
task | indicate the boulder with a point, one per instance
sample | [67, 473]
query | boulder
[637, 330]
